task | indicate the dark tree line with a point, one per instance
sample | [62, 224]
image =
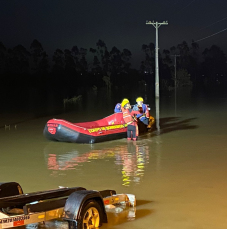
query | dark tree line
[71, 70]
[193, 68]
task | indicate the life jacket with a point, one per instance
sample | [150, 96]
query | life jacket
[145, 111]
[117, 108]
[128, 118]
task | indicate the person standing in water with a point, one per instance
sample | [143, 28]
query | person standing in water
[130, 119]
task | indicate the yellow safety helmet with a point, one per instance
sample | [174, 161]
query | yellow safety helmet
[139, 99]
[124, 102]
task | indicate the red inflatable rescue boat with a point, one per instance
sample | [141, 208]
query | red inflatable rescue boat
[109, 128]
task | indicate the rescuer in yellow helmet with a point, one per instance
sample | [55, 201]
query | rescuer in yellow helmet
[124, 102]
[139, 99]
[144, 115]
[130, 120]
[120, 106]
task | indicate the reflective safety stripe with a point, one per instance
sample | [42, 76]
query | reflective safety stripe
[137, 131]
[127, 117]
[147, 112]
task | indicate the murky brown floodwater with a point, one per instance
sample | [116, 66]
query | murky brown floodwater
[178, 177]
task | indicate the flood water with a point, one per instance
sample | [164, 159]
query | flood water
[178, 176]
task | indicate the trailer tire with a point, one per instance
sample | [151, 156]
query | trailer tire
[90, 215]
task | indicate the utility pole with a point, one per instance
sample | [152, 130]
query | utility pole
[175, 79]
[156, 25]
[175, 67]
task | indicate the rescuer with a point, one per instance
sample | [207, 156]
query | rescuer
[118, 107]
[144, 114]
[130, 119]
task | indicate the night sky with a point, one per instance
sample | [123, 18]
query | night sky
[65, 23]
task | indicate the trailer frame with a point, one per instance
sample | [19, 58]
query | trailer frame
[63, 203]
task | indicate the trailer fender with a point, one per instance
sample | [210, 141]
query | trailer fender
[10, 189]
[78, 200]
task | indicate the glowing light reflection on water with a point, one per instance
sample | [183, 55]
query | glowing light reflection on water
[131, 159]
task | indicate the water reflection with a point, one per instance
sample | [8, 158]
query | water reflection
[157, 117]
[133, 159]
[129, 158]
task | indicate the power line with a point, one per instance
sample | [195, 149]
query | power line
[205, 26]
[176, 11]
[187, 5]
[210, 35]
[213, 23]
[176, 2]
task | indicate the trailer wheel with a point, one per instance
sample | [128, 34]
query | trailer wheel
[90, 215]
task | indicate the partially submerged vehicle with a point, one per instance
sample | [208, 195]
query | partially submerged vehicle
[109, 128]
[79, 207]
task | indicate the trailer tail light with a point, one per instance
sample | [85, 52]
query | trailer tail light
[18, 223]
[106, 202]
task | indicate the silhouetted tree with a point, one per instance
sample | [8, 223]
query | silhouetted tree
[70, 66]
[18, 60]
[167, 58]
[59, 62]
[76, 56]
[37, 54]
[79, 56]
[165, 68]
[44, 65]
[148, 64]
[101, 59]
[110, 67]
[126, 57]
[214, 65]
[83, 66]
[183, 78]
[183, 51]
[3, 59]
[194, 49]
[194, 64]
[96, 65]
[116, 61]
[173, 50]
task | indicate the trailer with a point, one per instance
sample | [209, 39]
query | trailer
[79, 207]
